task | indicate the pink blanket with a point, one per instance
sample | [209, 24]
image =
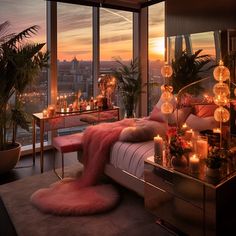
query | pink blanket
[97, 141]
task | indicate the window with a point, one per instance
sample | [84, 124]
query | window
[22, 16]
[74, 51]
[156, 50]
[116, 32]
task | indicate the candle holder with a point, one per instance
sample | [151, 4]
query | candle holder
[201, 147]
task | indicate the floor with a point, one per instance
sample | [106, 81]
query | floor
[25, 166]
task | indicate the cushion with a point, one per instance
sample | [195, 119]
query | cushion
[198, 124]
[205, 110]
[68, 143]
[183, 114]
[144, 130]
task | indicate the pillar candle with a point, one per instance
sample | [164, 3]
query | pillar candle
[158, 146]
[194, 163]
[202, 148]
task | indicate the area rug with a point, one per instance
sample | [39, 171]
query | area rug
[128, 218]
[64, 198]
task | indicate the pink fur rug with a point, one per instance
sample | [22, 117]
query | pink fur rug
[82, 196]
[64, 198]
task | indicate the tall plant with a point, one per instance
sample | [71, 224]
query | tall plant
[188, 68]
[129, 84]
[20, 63]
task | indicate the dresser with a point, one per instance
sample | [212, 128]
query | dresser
[191, 204]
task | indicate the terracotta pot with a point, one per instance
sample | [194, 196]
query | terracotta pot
[213, 172]
[179, 161]
[9, 158]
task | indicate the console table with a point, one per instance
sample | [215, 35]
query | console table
[62, 120]
[192, 204]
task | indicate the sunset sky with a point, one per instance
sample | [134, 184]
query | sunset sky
[75, 29]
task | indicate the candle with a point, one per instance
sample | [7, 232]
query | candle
[158, 147]
[216, 131]
[194, 163]
[189, 134]
[202, 147]
[45, 113]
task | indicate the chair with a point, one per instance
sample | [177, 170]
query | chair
[65, 144]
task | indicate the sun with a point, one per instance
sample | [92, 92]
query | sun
[158, 46]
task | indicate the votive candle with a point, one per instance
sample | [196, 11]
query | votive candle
[194, 163]
[45, 113]
[158, 146]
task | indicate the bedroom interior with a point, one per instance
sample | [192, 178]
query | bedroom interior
[126, 145]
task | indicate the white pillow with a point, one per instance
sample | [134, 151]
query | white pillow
[198, 124]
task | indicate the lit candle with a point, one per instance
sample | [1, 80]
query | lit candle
[216, 131]
[194, 163]
[202, 148]
[189, 134]
[158, 147]
[45, 113]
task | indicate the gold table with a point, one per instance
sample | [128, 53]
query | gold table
[66, 120]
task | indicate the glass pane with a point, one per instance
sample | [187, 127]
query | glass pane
[74, 51]
[74, 54]
[22, 16]
[156, 50]
[116, 30]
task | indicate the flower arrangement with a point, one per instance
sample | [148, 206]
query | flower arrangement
[178, 146]
[216, 156]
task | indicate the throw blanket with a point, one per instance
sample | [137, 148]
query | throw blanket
[97, 141]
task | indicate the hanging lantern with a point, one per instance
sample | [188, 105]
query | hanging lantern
[167, 108]
[221, 114]
[221, 89]
[221, 100]
[166, 71]
[221, 73]
[166, 96]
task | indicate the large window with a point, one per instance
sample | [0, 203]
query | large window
[21, 16]
[116, 33]
[156, 51]
[74, 51]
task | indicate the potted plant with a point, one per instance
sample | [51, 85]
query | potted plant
[20, 63]
[129, 85]
[188, 68]
[216, 157]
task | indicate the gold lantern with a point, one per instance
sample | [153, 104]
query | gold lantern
[221, 114]
[167, 108]
[221, 73]
[166, 71]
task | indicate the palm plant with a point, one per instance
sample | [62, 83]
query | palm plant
[129, 84]
[189, 68]
[20, 63]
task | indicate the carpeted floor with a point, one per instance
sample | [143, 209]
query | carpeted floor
[128, 218]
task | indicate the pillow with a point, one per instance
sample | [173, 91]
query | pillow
[183, 114]
[205, 110]
[144, 130]
[198, 124]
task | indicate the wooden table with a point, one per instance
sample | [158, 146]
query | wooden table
[67, 120]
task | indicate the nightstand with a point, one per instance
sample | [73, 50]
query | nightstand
[191, 203]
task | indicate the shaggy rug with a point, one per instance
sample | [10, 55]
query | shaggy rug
[64, 198]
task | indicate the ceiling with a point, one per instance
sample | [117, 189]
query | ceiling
[128, 5]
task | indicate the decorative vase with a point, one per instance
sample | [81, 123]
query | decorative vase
[130, 108]
[213, 172]
[179, 161]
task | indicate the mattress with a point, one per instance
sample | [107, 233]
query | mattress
[130, 156]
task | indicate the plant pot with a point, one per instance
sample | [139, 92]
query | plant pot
[213, 172]
[180, 162]
[9, 157]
